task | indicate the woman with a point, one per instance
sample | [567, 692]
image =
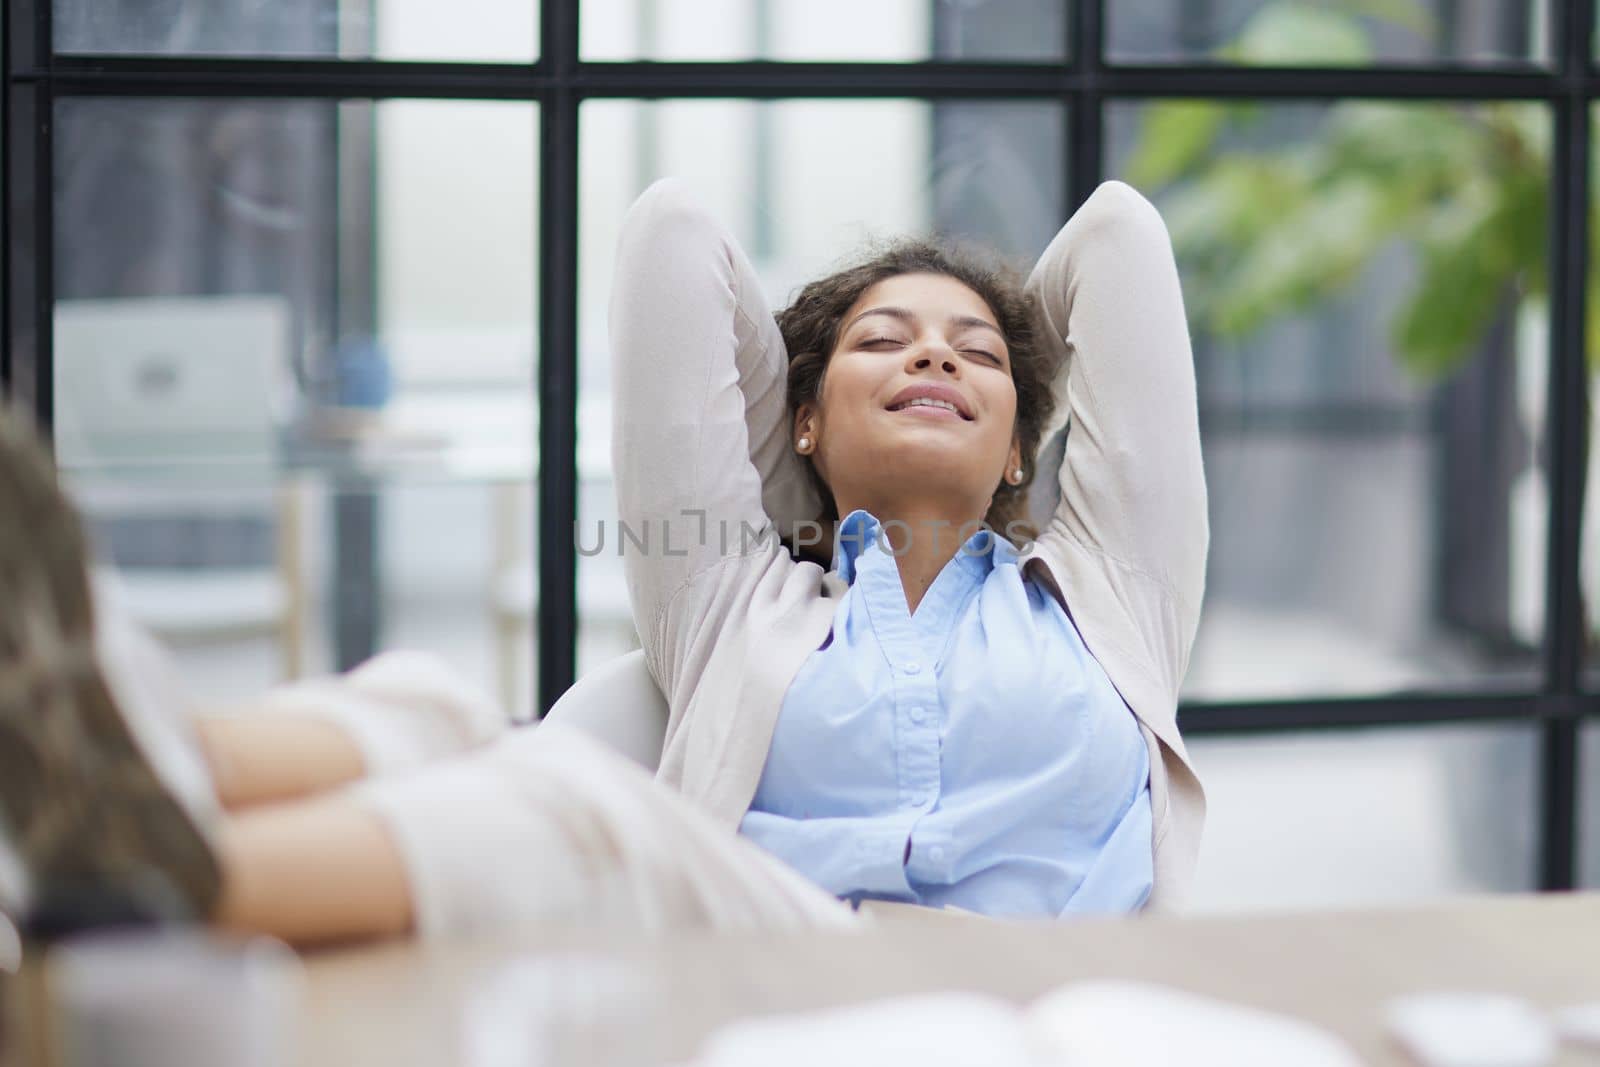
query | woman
[944, 718]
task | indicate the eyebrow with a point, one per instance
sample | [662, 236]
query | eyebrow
[907, 317]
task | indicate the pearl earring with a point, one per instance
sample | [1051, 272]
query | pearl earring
[1016, 475]
[803, 444]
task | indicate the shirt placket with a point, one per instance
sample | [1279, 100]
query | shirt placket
[932, 856]
[915, 694]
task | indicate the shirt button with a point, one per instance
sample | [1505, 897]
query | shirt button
[917, 716]
[912, 668]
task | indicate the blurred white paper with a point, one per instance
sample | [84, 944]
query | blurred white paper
[1579, 1024]
[1086, 1024]
[562, 1008]
[1454, 1029]
[1141, 1024]
[936, 1030]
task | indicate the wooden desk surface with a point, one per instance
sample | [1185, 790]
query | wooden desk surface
[402, 1003]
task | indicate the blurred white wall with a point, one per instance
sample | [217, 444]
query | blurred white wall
[1377, 816]
[488, 30]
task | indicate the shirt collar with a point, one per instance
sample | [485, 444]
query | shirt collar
[861, 530]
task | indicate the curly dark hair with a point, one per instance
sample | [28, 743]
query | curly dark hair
[810, 328]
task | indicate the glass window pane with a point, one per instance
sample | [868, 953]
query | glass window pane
[1366, 291]
[801, 184]
[1293, 33]
[294, 371]
[819, 30]
[461, 31]
[1379, 817]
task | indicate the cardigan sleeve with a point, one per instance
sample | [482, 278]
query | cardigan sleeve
[1130, 484]
[700, 443]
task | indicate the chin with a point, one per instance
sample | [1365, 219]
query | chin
[932, 467]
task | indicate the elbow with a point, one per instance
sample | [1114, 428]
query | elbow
[667, 244]
[668, 236]
[1116, 229]
[664, 213]
[1117, 206]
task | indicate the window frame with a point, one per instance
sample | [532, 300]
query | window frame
[35, 77]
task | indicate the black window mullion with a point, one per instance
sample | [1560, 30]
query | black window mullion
[558, 354]
[1568, 383]
[1558, 803]
[1563, 645]
[1072, 49]
[6, 31]
[28, 272]
[44, 242]
[273, 77]
[1087, 97]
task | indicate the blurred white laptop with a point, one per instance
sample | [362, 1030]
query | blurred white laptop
[171, 379]
[166, 416]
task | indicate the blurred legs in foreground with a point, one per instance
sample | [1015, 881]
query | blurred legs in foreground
[391, 800]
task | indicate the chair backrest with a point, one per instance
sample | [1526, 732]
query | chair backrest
[618, 703]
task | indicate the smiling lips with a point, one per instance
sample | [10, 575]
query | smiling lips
[932, 401]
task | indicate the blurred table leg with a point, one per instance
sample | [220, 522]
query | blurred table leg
[357, 579]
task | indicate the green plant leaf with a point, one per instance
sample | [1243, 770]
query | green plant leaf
[1173, 136]
[1266, 232]
[1307, 255]
[1299, 34]
[1407, 14]
[1464, 279]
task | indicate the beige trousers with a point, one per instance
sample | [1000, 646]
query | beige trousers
[502, 826]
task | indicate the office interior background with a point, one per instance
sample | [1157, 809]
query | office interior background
[312, 295]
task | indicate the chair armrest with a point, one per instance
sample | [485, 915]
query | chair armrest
[618, 703]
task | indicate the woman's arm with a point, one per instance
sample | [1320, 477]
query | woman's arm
[1130, 484]
[700, 438]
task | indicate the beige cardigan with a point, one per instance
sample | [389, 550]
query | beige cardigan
[707, 480]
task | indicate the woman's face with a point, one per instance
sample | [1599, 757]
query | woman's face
[917, 394]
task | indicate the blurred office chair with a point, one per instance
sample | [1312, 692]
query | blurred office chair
[166, 433]
[204, 570]
[618, 703]
[604, 611]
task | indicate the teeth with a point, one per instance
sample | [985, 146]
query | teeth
[928, 401]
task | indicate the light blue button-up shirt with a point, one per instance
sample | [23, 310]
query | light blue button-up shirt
[973, 754]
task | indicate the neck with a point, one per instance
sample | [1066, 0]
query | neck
[923, 534]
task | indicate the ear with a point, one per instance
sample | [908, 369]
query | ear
[807, 421]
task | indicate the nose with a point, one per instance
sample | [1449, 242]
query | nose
[934, 351]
